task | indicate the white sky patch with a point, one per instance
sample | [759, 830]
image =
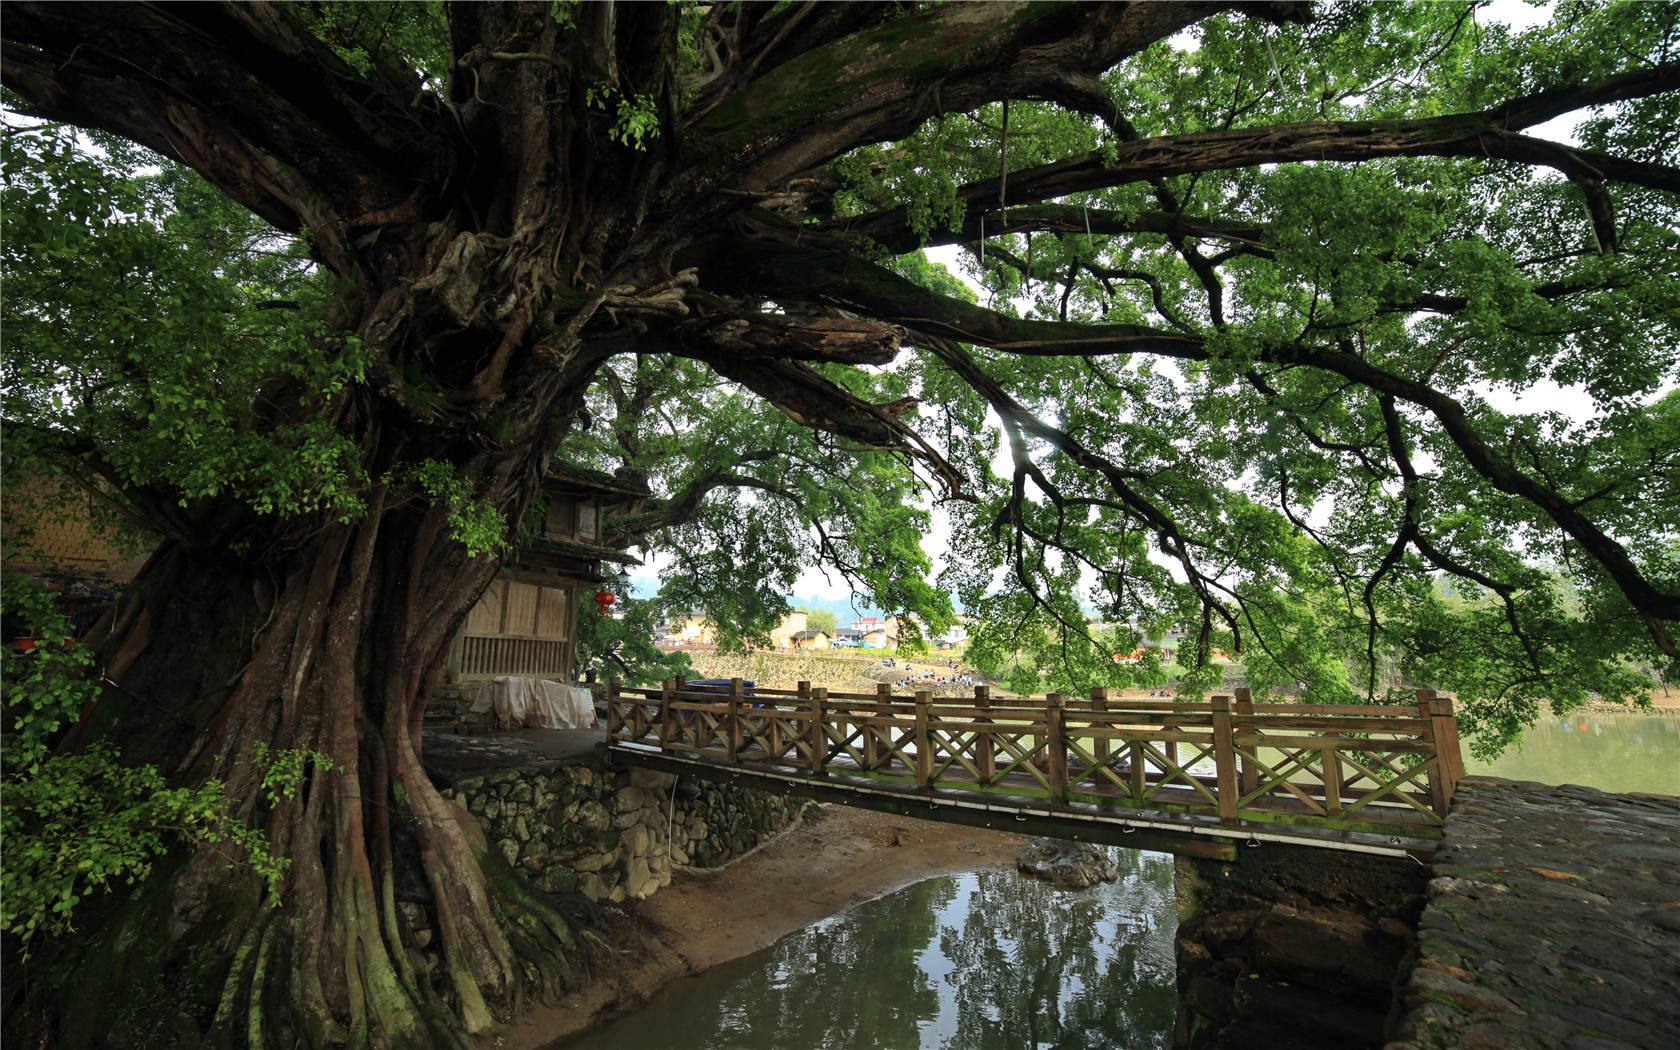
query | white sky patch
[816, 583]
[1541, 395]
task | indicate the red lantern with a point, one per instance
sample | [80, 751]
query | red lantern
[605, 600]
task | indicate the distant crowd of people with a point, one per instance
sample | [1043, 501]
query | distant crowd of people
[951, 675]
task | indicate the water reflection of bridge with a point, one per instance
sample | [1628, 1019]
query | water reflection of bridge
[1191, 778]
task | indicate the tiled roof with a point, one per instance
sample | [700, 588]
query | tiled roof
[581, 550]
[595, 482]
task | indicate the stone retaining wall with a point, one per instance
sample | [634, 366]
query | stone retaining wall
[611, 834]
[1292, 947]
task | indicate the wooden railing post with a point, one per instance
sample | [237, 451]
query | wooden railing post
[819, 737]
[924, 742]
[1447, 722]
[1099, 704]
[737, 689]
[615, 714]
[1332, 763]
[667, 717]
[1137, 777]
[1249, 774]
[871, 746]
[1224, 758]
[985, 757]
[803, 689]
[1443, 736]
[1055, 731]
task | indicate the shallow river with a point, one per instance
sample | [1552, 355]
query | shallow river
[983, 960]
[1610, 751]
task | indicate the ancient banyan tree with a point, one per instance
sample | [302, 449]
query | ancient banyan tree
[1258, 282]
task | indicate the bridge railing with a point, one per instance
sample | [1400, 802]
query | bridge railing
[1376, 768]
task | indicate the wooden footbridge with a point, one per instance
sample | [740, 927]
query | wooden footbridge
[1202, 778]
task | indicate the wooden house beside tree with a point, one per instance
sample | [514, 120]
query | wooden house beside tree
[525, 622]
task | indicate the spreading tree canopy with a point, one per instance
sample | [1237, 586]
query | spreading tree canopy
[1340, 337]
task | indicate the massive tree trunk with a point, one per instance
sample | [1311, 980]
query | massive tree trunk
[327, 644]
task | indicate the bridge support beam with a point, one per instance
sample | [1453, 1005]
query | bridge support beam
[909, 803]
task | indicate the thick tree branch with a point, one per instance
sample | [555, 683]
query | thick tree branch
[245, 95]
[1491, 133]
[773, 269]
[859, 90]
[1065, 218]
[684, 506]
[839, 339]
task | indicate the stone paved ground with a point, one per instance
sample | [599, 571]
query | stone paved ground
[450, 757]
[1553, 921]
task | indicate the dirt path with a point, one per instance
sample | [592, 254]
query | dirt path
[835, 859]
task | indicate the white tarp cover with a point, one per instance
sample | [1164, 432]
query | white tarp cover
[535, 703]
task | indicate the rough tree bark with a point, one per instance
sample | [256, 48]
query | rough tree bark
[495, 240]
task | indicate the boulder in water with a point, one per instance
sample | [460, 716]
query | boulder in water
[1067, 865]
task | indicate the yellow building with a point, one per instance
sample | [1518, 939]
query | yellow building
[781, 636]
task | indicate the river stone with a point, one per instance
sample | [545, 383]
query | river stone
[635, 840]
[521, 828]
[628, 798]
[638, 880]
[679, 855]
[509, 848]
[535, 854]
[1067, 865]
[625, 820]
[559, 880]
[591, 886]
[616, 895]
[593, 816]
[592, 862]
[520, 791]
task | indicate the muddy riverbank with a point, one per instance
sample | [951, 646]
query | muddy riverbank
[836, 858]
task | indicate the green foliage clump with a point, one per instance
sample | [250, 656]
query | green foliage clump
[81, 822]
[474, 523]
[820, 620]
[621, 646]
[635, 117]
[283, 769]
[143, 310]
